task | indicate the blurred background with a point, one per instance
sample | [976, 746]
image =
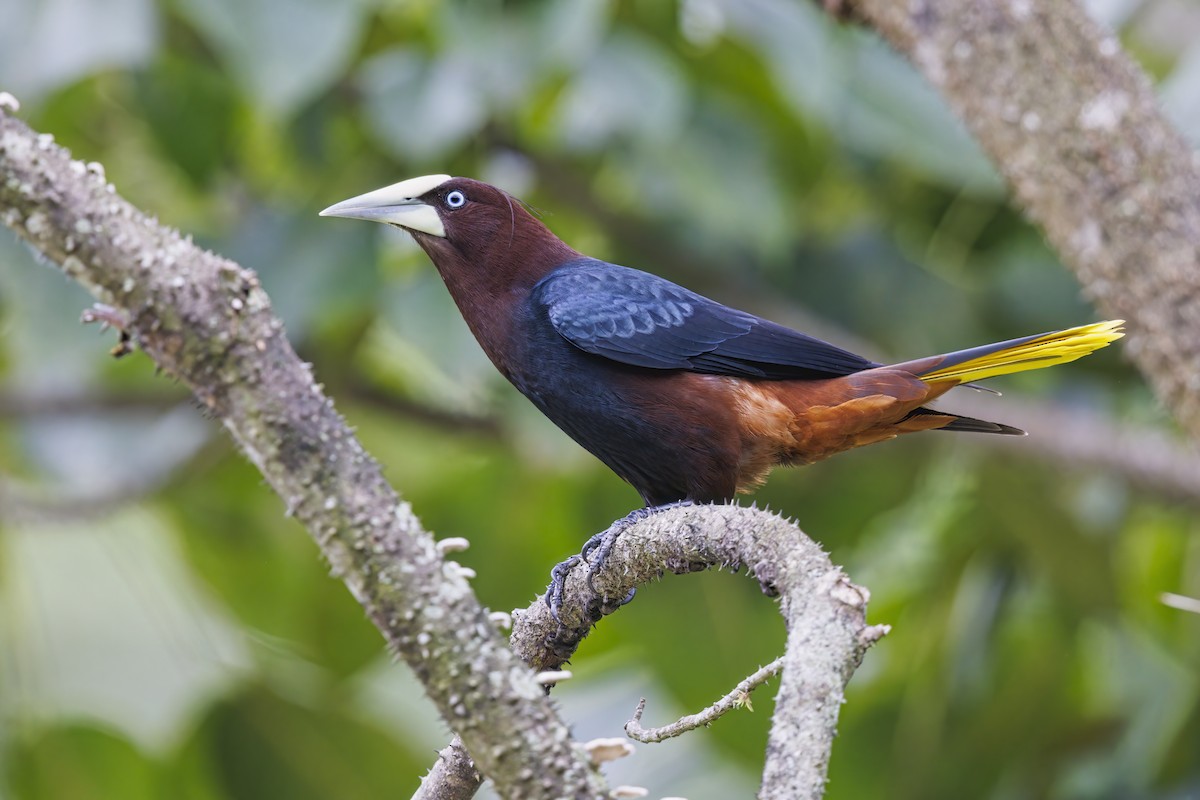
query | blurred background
[165, 632]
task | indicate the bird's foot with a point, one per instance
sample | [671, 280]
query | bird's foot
[558, 584]
[601, 545]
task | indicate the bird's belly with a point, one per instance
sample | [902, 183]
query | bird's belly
[672, 435]
[804, 421]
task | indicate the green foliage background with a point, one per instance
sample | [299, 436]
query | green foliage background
[165, 631]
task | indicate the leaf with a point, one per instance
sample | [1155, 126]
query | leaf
[629, 91]
[312, 270]
[891, 111]
[46, 347]
[113, 628]
[80, 762]
[45, 44]
[423, 344]
[190, 108]
[420, 108]
[284, 52]
[259, 745]
[268, 574]
[799, 43]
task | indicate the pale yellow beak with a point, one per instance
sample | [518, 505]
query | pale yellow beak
[397, 204]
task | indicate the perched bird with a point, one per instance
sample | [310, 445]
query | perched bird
[685, 398]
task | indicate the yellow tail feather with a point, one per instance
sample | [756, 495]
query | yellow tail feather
[1032, 352]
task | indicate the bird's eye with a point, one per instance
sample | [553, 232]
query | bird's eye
[456, 199]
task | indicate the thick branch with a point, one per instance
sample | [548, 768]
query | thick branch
[1074, 126]
[207, 321]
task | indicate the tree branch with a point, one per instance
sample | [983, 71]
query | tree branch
[1074, 126]
[207, 322]
[1180, 601]
[824, 614]
[452, 777]
[823, 611]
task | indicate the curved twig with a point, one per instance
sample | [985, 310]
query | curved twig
[739, 697]
[1180, 601]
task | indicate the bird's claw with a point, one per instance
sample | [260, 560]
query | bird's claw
[558, 585]
[601, 544]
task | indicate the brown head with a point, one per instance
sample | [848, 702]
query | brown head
[479, 237]
[487, 247]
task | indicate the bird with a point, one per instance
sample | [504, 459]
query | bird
[686, 399]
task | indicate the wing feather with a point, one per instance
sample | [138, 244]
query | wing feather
[640, 319]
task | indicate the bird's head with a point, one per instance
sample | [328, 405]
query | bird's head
[466, 226]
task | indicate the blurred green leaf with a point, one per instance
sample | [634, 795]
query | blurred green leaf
[46, 44]
[262, 745]
[80, 762]
[269, 574]
[896, 114]
[284, 52]
[52, 350]
[806, 54]
[315, 272]
[191, 110]
[420, 108]
[628, 92]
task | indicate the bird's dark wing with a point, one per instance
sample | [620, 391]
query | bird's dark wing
[641, 319]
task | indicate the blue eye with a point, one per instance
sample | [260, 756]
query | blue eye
[456, 199]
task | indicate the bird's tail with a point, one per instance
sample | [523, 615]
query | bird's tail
[1016, 355]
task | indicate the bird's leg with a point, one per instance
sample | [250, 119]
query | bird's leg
[601, 544]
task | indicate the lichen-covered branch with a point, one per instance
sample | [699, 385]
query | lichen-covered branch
[1074, 127]
[452, 777]
[208, 322]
